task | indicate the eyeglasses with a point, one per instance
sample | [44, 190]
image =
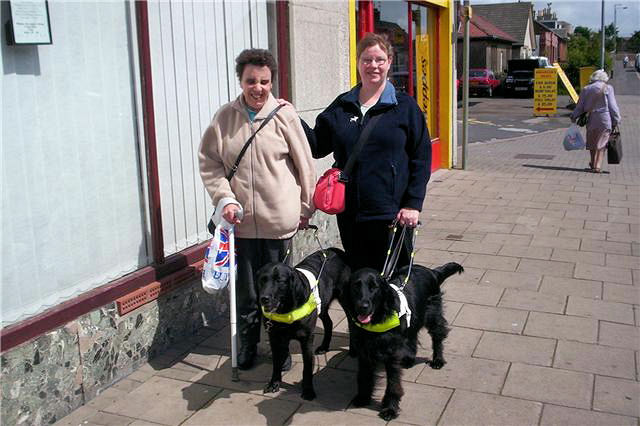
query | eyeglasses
[377, 61]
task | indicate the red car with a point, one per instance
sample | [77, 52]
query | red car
[482, 80]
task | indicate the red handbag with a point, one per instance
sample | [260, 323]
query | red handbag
[330, 192]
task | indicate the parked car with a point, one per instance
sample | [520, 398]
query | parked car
[520, 74]
[482, 80]
[637, 62]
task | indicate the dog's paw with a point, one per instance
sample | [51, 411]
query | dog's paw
[388, 414]
[361, 401]
[271, 387]
[436, 364]
[308, 394]
[320, 350]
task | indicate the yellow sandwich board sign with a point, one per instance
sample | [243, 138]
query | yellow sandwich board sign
[585, 73]
[545, 91]
[566, 82]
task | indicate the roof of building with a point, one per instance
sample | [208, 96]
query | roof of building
[480, 27]
[511, 18]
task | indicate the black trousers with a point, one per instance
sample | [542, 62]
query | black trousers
[366, 243]
[251, 255]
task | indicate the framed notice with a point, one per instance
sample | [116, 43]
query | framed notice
[29, 22]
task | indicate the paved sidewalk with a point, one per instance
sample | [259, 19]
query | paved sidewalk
[545, 322]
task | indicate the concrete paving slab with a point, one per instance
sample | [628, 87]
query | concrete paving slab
[493, 319]
[77, 417]
[610, 247]
[439, 257]
[606, 226]
[561, 387]
[451, 310]
[574, 256]
[533, 301]
[108, 419]
[623, 261]
[469, 276]
[508, 239]
[539, 231]
[562, 327]
[312, 415]
[543, 253]
[619, 335]
[600, 309]
[475, 247]
[474, 408]
[596, 359]
[571, 286]
[546, 267]
[467, 373]
[555, 242]
[603, 273]
[583, 233]
[514, 348]
[617, 396]
[553, 415]
[473, 293]
[256, 410]
[164, 401]
[106, 398]
[485, 261]
[506, 279]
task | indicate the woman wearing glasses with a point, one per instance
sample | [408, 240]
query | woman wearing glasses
[389, 179]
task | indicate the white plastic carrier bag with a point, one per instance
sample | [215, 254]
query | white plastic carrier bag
[573, 138]
[215, 272]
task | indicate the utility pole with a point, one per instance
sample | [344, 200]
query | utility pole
[465, 83]
[602, 31]
[615, 28]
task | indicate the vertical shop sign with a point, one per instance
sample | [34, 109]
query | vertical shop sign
[423, 91]
[545, 91]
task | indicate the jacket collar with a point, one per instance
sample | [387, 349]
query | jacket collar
[387, 98]
[240, 105]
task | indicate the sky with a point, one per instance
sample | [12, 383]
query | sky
[587, 13]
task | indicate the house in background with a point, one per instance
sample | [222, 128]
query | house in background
[515, 19]
[550, 43]
[549, 19]
[489, 46]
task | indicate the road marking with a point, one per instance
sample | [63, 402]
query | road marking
[536, 120]
[506, 129]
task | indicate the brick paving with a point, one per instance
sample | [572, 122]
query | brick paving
[544, 323]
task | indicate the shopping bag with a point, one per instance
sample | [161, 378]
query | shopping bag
[614, 147]
[216, 269]
[573, 139]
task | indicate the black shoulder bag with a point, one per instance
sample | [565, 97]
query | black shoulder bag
[211, 226]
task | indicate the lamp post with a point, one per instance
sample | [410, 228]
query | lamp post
[602, 37]
[615, 28]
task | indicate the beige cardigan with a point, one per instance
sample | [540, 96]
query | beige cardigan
[276, 178]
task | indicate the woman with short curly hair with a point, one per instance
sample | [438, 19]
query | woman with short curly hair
[598, 100]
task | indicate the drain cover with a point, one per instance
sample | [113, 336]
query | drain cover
[453, 237]
[535, 156]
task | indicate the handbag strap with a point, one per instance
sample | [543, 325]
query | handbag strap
[234, 168]
[344, 176]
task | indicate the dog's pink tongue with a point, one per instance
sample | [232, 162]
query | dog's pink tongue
[364, 319]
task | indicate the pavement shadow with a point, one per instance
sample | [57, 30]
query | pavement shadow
[571, 169]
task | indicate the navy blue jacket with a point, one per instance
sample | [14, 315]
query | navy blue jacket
[394, 166]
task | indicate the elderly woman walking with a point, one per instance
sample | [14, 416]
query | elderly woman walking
[598, 100]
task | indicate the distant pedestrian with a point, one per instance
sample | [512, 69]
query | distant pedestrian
[598, 100]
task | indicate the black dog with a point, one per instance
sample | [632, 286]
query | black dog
[378, 336]
[285, 295]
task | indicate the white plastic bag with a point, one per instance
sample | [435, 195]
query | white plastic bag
[215, 272]
[573, 139]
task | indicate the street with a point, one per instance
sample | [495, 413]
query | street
[505, 117]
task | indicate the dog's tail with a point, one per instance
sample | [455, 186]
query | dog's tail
[445, 271]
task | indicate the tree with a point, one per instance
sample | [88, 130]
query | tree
[633, 44]
[583, 49]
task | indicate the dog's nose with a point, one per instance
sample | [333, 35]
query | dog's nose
[264, 300]
[364, 306]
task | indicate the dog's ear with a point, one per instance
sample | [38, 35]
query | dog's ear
[388, 296]
[298, 287]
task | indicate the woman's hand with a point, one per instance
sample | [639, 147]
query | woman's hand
[229, 213]
[304, 223]
[284, 102]
[408, 217]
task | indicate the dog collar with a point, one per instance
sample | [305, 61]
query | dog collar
[294, 315]
[392, 321]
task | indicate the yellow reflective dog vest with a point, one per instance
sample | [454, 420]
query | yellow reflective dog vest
[393, 320]
[313, 302]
